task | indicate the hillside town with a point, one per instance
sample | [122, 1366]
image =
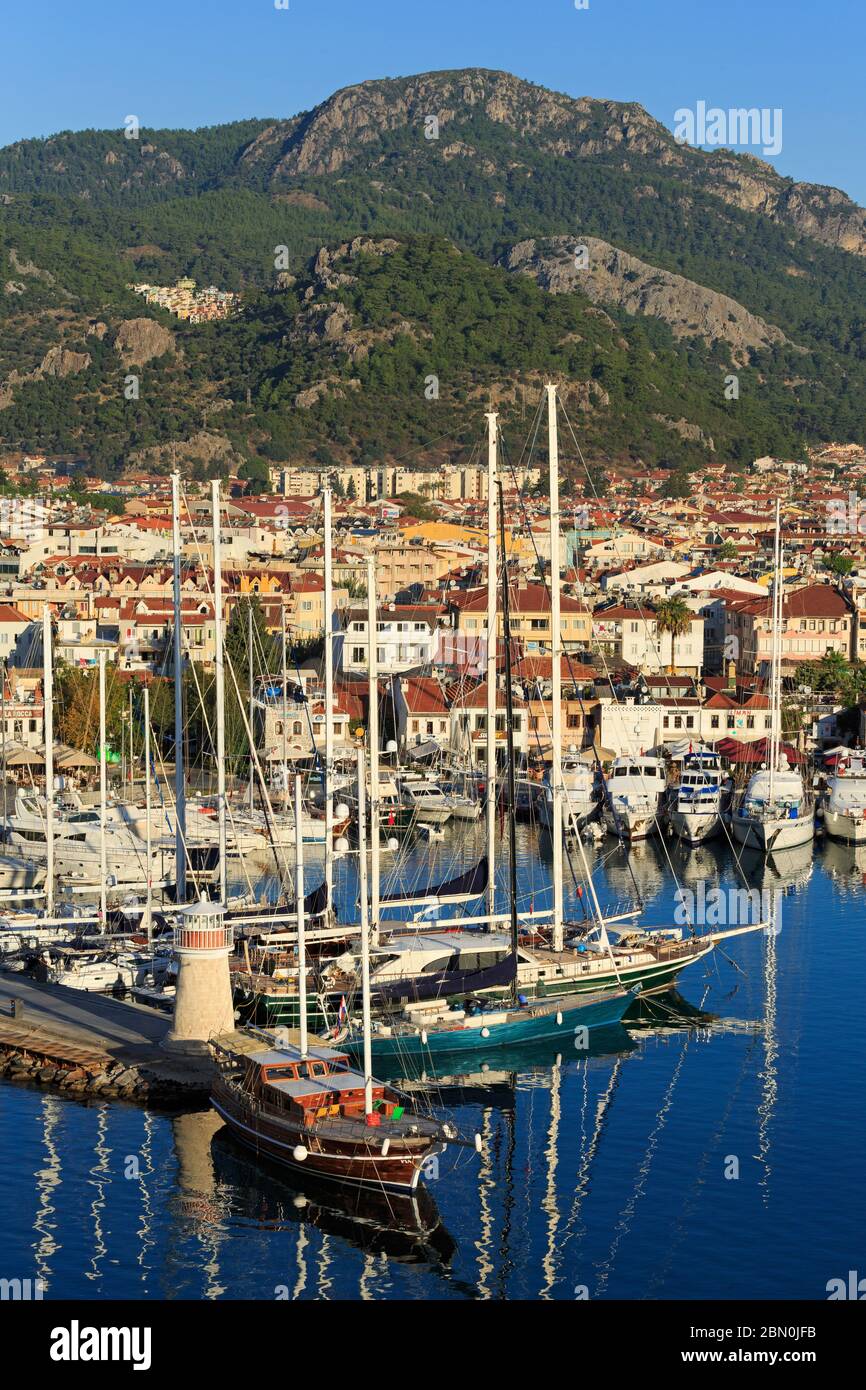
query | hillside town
[184, 301]
[665, 607]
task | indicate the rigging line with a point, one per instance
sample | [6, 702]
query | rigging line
[268, 812]
[576, 688]
[656, 645]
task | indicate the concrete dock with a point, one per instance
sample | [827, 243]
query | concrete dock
[112, 1043]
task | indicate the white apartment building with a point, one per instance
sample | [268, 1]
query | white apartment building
[632, 636]
[405, 640]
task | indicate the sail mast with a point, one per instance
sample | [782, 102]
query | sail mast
[329, 700]
[48, 700]
[285, 675]
[103, 796]
[179, 788]
[509, 735]
[373, 722]
[299, 890]
[492, 428]
[774, 669]
[556, 783]
[365, 931]
[148, 903]
[219, 684]
[252, 708]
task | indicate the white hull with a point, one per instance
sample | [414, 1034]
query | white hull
[772, 834]
[634, 825]
[85, 865]
[695, 827]
[20, 871]
[574, 815]
[850, 828]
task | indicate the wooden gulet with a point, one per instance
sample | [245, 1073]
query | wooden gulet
[302, 1104]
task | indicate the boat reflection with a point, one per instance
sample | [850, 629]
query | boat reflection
[404, 1227]
[845, 863]
[492, 1080]
[787, 868]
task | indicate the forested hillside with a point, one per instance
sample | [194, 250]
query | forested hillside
[249, 206]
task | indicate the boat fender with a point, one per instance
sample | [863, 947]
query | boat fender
[477, 1143]
[559, 1017]
[485, 1032]
[299, 1153]
[385, 1147]
[424, 1036]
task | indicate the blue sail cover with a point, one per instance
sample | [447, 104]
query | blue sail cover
[470, 884]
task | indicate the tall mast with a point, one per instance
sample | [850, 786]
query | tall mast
[219, 683]
[48, 698]
[373, 664]
[103, 796]
[252, 710]
[509, 735]
[329, 699]
[365, 931]
[299, 890]
[285, 675]
[775, 717]
[179, 787]
[490, 779]
[556, 783]
[148, 906]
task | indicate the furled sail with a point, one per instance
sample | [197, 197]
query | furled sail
[470, 884]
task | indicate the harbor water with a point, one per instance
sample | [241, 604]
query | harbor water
[711, 1151]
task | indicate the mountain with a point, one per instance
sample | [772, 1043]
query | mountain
[710, 263]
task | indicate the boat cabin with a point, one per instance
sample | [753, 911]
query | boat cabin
[317, 1087]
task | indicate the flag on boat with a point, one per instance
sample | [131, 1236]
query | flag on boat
[343, 1013]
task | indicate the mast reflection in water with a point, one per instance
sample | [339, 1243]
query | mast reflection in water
[604, 1173]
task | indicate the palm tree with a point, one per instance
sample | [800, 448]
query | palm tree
[673, 615]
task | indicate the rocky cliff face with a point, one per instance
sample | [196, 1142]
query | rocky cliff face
[344, 131]
[139, 340]
[610, 276]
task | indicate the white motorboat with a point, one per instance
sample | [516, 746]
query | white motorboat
[578, 780]
[845, 799]
[700, 798]
[425, 799]
[635, 791]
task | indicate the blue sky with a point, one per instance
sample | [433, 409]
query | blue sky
[72, 64]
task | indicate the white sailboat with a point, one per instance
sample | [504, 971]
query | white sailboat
[775, 812]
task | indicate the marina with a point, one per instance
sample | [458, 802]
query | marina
[352, 973]
[604, 1170]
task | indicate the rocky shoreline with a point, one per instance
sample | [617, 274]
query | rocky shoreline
[103, 1078]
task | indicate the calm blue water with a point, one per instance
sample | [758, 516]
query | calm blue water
[605, 1172]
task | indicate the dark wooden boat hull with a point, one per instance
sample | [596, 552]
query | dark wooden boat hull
[359, 1163]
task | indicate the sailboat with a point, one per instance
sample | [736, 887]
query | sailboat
[436, 1026]
[301, 1103]
[775, 812]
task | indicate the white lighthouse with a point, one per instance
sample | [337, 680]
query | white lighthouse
[203, 1002]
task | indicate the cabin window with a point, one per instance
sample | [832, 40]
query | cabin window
[441, 963]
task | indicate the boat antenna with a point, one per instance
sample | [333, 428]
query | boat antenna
[509, 734]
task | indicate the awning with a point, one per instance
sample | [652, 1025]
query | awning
[420, 752]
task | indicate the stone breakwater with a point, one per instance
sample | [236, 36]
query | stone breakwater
[86, 1073]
